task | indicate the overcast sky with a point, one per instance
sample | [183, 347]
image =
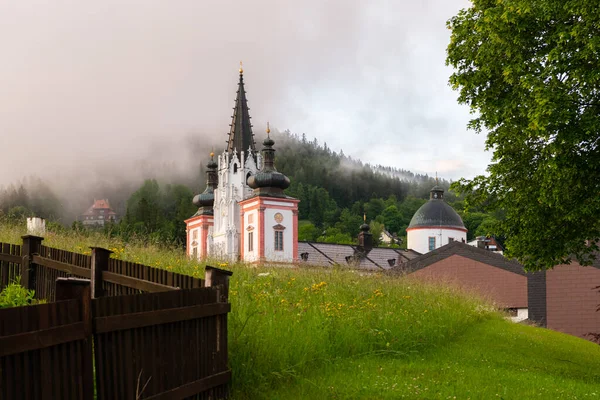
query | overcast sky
[89, 83]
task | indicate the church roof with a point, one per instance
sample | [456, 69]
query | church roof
[205, 200]
[241, 137]
[268, 181]
[436, 213]
[330, 254]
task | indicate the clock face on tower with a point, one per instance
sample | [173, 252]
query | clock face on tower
[278, 218]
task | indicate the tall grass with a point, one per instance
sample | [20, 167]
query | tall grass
[287, 321]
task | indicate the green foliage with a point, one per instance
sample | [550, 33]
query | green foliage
[335, 235]
[14, 295]
[529, 71]
[308, 232]
[157, 213]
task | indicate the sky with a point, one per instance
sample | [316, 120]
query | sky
[92, 88]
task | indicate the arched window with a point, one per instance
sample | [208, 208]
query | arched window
[235, 168]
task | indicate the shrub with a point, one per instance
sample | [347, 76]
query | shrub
[15, 295]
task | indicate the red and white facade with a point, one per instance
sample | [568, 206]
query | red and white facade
[269, 230]
[198, 230]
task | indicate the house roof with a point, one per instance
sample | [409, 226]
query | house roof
[329, 254]
[461, 249]
[101, 204]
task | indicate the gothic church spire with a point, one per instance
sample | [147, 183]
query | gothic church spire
[241, 137]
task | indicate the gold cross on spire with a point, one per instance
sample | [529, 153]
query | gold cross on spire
[241, 68]
[268, 129]
[365, 218]
[436, 178]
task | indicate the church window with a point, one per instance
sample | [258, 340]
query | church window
[431, 243]
[235, 168]
[450, 240]
[251, 241]
[278, 240]
[195, 253]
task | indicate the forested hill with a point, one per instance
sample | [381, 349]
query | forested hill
[335, 191]
[345, 179]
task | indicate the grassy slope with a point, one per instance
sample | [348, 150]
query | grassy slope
[493, 359]
[339, 334]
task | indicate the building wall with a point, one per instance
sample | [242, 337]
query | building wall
[507, 289]
[251, 221]
[263, 216]
[418, 238]
[197, 236]
[571, 300]
[287, 255]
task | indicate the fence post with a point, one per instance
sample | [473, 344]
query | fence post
[31, 246]
[100, 258]
[74, 288]
[220, 278]
[216, 276]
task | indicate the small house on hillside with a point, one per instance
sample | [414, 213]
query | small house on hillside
[487, 242]
[98, 214]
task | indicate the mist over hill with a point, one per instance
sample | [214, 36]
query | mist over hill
[333, 188]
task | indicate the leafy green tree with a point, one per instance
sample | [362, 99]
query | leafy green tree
[349, 223]
[376, 230]
[335, 235]
[308, 232]
[529, 72]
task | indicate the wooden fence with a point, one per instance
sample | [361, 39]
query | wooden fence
[166, 340]
[39, 267]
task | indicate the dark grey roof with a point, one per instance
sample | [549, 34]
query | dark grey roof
[465, 250]
[329, 254]
[436, 212]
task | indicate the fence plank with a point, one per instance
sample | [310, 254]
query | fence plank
[11, 258]
[198, 386]
[148, 318]
[135, 283]
[61, 266]
[41, 339]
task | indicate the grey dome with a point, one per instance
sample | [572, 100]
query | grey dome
[436, 213]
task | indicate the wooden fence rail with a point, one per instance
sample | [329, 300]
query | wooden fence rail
[162, 345]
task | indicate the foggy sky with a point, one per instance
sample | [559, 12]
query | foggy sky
[90, 88]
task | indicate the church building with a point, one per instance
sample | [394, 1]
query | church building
[435, 224]
[243, 214]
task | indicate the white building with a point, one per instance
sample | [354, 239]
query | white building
[242, 198]
[435, 224]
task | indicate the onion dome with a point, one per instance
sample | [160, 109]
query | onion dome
[268, 181]
[436, 213]
[206, 199]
